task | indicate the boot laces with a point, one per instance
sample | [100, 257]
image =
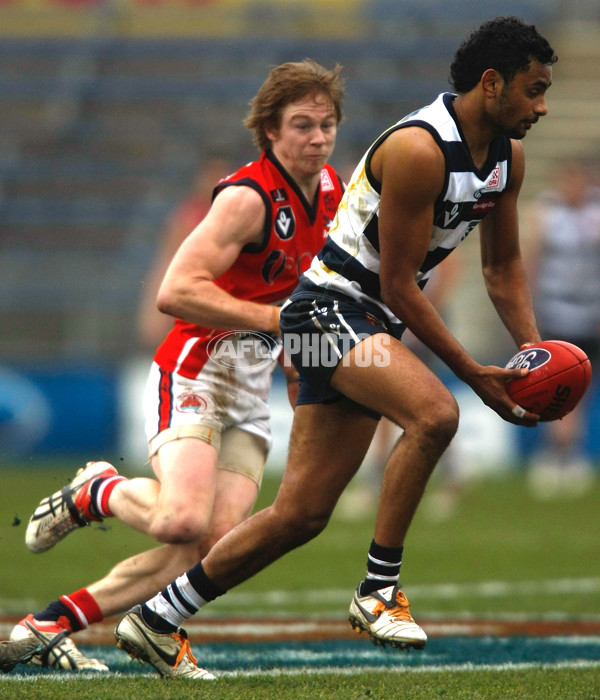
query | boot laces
[185, 649]
[397, 609]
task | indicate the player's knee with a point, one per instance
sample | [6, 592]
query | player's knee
[315, 524]
[179, 528]
[303, 523]
[440, 422]
[435, 424]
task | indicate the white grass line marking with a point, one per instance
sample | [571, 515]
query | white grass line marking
[441, 591]
[499, 589]
[358, 670]
[325, 671]
[252, 602]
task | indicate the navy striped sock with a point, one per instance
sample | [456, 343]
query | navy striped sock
[181, 599]
[56, 610]
[383, 568]
[155, 621]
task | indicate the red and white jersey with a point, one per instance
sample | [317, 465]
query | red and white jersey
[267, 272]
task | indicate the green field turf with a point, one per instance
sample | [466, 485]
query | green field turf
[501, 555]
[533, 684]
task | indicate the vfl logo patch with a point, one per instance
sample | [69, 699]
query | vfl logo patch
[449, 216]
[190, 402]
[531, 358]
[285, 223]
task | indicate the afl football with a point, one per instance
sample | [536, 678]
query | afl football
[559, 374]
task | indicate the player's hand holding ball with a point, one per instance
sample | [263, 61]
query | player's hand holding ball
[559, 374]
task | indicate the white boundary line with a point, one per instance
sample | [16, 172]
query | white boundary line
[253, 601]
[328, 671]
[356, 670]
[441, 591]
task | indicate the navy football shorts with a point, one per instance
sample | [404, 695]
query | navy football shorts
[318, 331]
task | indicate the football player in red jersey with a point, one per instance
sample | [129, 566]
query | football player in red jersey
[207, 419]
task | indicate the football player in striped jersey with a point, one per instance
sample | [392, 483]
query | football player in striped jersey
[420, 189]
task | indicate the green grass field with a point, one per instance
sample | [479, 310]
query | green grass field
[502, 555]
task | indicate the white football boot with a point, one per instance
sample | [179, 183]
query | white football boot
[169, 653]
[65, 510]
[57, 649]
[385, 616]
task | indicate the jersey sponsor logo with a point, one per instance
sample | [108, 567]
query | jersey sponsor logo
[326, 183]
[330, 205]
[285, 223]
[277, 261]
[190, 402]
[483, 206]
[494, 180]
[304, 262]
[273, 266]
[279, 195]
[492, 183]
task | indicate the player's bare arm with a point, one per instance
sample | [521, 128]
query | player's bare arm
[406, 212]
[501, 261]
[412, 169]
[188, 291]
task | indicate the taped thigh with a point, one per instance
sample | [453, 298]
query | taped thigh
[206, 433]
[243, 453]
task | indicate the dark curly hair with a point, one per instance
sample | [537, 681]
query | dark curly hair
[505, 44]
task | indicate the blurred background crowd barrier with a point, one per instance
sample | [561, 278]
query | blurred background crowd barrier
[108, 108]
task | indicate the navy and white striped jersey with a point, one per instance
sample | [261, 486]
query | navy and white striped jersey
[349, 261]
